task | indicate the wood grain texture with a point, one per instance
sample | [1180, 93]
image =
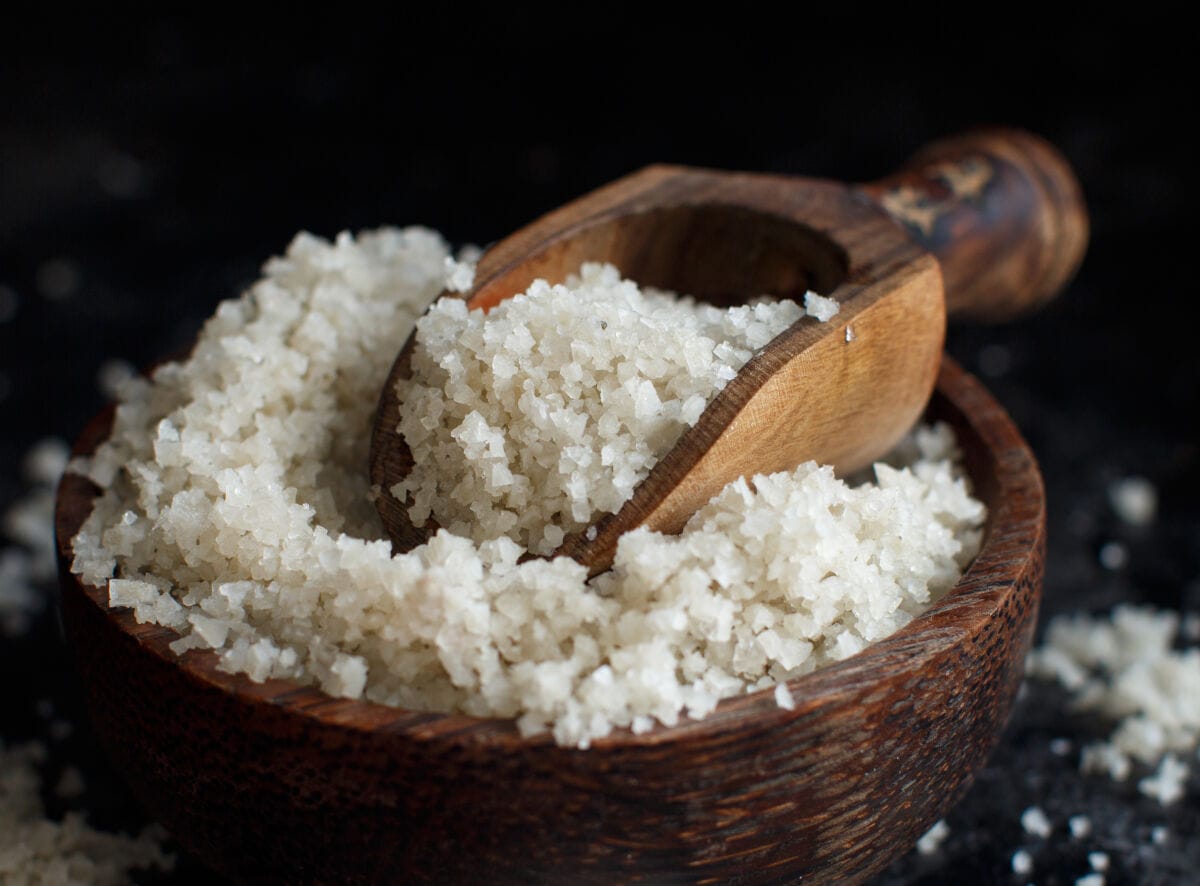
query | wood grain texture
[277, 782]
[1002, 211]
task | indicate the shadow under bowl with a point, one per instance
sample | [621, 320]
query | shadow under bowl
[278, 782]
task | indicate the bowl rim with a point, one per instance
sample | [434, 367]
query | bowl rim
[1014, 534]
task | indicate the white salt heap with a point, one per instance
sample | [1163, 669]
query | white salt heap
[35, 849]
[532, 420]
[1127, 667]
[235, 511]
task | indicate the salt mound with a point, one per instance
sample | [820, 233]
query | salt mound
[236, 512]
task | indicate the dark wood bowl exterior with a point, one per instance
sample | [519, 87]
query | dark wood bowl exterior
[275, 782]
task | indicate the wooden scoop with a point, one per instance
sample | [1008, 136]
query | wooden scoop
[984, 225]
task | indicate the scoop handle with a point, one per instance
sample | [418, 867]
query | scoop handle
[1002, 211]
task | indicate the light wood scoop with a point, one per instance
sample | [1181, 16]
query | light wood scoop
[984, 225]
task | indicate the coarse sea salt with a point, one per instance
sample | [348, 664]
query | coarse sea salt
[1126, 665]
[536, 417]
[35, 848]
[235, 510]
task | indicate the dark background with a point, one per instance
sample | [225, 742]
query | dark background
[149, 166]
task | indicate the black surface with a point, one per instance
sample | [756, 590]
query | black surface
[163, 160]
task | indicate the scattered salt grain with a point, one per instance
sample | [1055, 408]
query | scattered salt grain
[1127, 667]
[235, 512]
[1080, 825]
[1113, 555]
[1098, 861]
[20, 598]
[1034, 821]
[1105, 759]
[931, 841]
[112, 376]
[1167, 783]
[783, 697]
[1022, 863]
[822, 308]
[37, 849]
[1092, 879]
[30, 523]
[849, 333]
[1159, 835]
[46, 460]
[1134, 499]
[1061, 747]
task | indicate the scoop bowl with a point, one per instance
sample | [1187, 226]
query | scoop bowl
[278, 782]
[985, 225]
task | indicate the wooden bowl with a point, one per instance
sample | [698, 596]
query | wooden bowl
[278, 782]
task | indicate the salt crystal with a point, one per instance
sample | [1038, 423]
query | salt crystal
[1093, 879]
[113, 375]
[1080, 825]
[1022, 863]
[1167, 783]
[1103, 757]
[1134, 499]
[783, 697]
[460, 275]
[1034, 821]
[822, 308]
[46, 461]
[1098, 861]
[931, 841]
